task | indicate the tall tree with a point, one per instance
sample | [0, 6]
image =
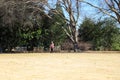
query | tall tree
[103, 34]
[109, 7]
[21, 11]
[71, 15]
[52, 31]
[110, 31]
[55, 27]
[20, 17]
[87, 29]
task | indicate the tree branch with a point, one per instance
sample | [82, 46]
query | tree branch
[101, 9]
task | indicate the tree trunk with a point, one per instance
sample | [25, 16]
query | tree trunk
[75, 47]
[75, 37]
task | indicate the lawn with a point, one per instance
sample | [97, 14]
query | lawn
[60, 66]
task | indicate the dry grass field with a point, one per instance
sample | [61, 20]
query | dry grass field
[62, 66]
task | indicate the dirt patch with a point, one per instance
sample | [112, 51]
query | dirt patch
[46, 66]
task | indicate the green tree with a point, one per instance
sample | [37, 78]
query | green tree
[87, 30]
[110, 32]
[116, 44]
[52, 31]
[21, 23]
[103, 34]
[9, 37]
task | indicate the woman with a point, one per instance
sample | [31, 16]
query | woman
[52, 47]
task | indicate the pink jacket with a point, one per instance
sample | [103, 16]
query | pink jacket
[52, 45]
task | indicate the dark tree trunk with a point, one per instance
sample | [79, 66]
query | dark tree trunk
[75, 47]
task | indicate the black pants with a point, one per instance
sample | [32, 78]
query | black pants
[51, 50]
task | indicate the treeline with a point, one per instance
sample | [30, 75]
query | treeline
[103, 34]
[24, 23]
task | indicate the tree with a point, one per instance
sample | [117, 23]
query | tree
[87, 29]
[104, 34]
[57, 33]
[52, 31]
[110, 31]
[110, 7]
[10, 18]
[9, 37]
[71, 14]
[116, 44]
[91, 31]
[20, 21]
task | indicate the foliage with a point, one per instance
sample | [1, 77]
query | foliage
[26, 23]
[52, 31]
[9, 37]
[21, 23]
[116, 44]
[71, 15]
[88, 30]
[103, 34]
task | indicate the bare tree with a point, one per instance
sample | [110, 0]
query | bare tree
[71, 14]
[17, 16]
[20, 10]
[109, 7]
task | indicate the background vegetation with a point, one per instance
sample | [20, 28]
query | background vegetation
[26, 23]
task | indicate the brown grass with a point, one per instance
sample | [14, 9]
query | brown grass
[46, 66]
